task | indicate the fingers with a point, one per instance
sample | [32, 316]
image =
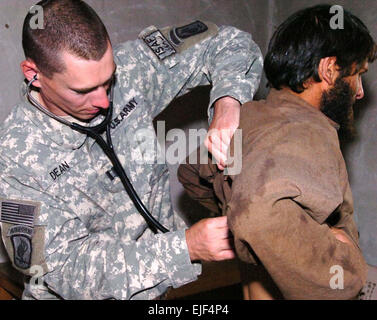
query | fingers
[217, 143]
[225, 121]
[226, 255]
[220, 158]
[210, 240]
[218, 222]
[225, 244]
[223, 238]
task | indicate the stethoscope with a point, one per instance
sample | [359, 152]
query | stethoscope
[107, 147]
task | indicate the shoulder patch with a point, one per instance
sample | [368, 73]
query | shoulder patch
[192, 29]
[160, 46]
[22, 250]
[23, 240]
[189, 35]
[169, 41]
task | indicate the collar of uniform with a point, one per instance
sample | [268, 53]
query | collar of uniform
[59, 133]
[279, 97]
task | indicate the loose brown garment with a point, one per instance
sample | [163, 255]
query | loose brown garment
[293, 187]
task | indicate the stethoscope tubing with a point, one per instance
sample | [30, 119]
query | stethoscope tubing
[108, 149]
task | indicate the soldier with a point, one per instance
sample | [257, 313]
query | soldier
[66, 221]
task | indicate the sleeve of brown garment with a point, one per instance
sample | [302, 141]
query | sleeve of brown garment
[290, 184]
[197, 180]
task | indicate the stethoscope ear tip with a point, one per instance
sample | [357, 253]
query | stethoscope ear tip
[35, 78]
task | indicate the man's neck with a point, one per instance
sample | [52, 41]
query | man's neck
[311, 95]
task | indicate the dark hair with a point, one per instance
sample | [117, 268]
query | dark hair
[299, 44]
[69, 25]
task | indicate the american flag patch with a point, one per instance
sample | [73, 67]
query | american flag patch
[17, 212]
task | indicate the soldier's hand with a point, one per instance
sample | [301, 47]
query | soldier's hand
[210, 240]
[225, 121]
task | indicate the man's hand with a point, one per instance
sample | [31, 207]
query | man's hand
[210, 240]
[225, 121]
[341, 236]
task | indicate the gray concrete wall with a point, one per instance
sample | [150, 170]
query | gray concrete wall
[126, 18]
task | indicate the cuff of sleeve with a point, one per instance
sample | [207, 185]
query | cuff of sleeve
[237, 89]
[179, 267]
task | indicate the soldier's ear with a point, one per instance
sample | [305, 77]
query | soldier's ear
[30, 70]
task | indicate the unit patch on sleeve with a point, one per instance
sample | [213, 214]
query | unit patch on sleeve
[18, 218]
[189, 35]
[192, 29]
[21, 240]
[160, 46]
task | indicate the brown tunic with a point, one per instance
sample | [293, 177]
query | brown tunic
[292, 187]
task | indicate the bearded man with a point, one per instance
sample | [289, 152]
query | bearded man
[291, 209]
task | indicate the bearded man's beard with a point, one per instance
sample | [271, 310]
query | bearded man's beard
[337, 104]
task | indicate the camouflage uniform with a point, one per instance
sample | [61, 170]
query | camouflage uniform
[71, 227]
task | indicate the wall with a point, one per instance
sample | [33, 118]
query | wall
[126, 18]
